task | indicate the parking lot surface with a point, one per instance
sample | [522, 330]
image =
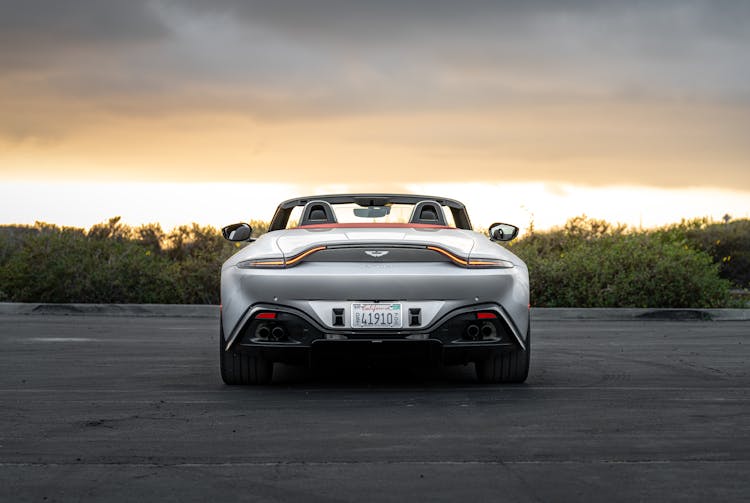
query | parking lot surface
[97, 408]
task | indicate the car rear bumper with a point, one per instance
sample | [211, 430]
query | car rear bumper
[316, 288]
[294, 337]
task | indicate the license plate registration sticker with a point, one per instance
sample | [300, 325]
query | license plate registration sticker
[376, 315]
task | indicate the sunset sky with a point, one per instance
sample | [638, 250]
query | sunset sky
[214, 111]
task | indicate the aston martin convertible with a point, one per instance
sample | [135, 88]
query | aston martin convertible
[343, 277]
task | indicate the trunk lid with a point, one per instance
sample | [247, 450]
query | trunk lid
[294, 241]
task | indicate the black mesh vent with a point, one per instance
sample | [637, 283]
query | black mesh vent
[338, 317]
[415, 316]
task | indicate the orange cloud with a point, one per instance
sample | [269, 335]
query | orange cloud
[377, 92]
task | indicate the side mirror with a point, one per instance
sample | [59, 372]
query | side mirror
[237, 232]
[503, 232]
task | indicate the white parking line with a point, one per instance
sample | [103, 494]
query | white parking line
[60, 339]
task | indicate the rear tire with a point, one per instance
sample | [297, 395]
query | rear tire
[511, 367]
[242, 368]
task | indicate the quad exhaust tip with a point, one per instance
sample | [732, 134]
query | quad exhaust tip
[263, 332]
[278, 334]
[472, 332]
[475, 332]
[488, 330]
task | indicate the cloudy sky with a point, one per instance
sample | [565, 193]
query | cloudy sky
[537, 107]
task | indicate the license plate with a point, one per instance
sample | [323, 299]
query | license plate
[380, 315]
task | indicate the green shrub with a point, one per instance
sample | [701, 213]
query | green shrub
[197, 254]
[587, 263]
[728, 243]
[64, 265]
[613, 268]
[113, 263]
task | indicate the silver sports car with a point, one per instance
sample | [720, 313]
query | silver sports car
[372, 275]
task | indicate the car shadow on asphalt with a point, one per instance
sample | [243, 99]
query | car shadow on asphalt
[380, 374]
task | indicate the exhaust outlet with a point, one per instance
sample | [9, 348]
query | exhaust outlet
[278, 334]
[472, 332]
[263, 332]
[488, 330]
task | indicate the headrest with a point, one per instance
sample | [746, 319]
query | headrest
[317, 212]
[428, 212]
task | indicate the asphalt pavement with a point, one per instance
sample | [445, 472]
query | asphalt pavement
[129, 408]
